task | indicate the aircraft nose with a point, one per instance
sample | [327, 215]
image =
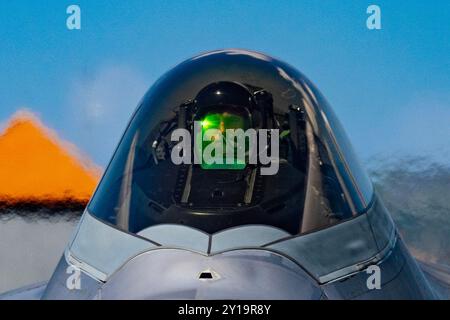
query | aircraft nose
[238, 274]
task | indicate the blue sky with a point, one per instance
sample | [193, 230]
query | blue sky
[389, 87]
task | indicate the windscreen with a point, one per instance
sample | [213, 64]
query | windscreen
[221, 166]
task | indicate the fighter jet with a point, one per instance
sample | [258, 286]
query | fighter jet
[186, 210]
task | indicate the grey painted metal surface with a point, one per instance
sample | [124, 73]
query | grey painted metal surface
[57, 286]
[243, 274]
[101, 249]
[344, 248]
[409, 283]
[332, 249]
[177, 236]
[327, 254]
[245, 236]
[181, 236]
[382, 225]
[31, 292]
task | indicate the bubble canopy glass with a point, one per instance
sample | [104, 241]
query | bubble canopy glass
[318, 183]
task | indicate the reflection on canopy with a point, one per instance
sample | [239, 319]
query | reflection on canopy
[318, 183]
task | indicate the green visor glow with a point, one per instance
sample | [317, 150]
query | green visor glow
[213, 139]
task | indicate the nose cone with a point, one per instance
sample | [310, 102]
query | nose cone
[241, 274]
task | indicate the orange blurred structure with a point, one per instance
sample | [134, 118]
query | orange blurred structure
[36, 167]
